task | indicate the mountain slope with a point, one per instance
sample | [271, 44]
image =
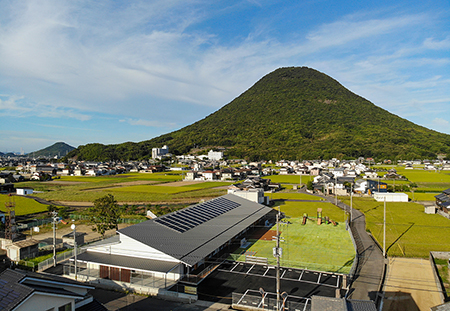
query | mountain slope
[294, 113]
[57, 149]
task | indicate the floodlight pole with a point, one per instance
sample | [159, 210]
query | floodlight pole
[55, 215]
[278, 260]
[384, 229]
[351, 202]
[75, 247]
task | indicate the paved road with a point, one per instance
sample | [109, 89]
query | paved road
[369, 273]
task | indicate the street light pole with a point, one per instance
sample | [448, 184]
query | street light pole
[75, 247]
[55, 218]
[351, 203]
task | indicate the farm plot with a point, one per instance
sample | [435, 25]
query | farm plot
[23, 205]
[409, 231]
[171, 189]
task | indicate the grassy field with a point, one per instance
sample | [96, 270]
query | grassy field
[23, 205]
[292, 195]
[409, 231]
[309, 246]
[289, 179]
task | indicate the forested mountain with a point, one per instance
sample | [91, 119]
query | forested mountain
[292, 113]
[57, 149]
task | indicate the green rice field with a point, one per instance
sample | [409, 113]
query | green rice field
[289, 179]
[409, 231]
[23, 205]
[293, 196]
[170, 189]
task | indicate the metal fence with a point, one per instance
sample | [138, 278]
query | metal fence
[121, 220]
[137, 279]
[268, 301]
[43, 265]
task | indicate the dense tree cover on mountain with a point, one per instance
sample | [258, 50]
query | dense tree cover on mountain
[292, 113]
[57, 149]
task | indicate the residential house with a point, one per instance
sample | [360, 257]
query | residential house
[25, 290]
[443, 200]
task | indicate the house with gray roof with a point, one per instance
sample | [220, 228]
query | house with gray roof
[24, 290]
[161, 251]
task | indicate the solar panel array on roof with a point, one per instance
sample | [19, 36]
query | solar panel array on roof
[191, 217]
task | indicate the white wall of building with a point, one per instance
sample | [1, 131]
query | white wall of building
[390, 197]
[133, 248]
[215, 155]
[255, 195]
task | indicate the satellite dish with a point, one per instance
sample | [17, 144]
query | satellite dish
[36, 229]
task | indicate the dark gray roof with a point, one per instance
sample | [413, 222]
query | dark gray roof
[134, 263]
[447, 191]
[11, 291]
[198, 242]
[16, 286]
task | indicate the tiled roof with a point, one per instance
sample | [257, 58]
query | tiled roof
[195, 244]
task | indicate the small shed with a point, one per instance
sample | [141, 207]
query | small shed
[430, 209]
[22, 249]
[68, 238]
[24, 191]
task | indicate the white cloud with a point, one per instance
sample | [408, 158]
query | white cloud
[149, 123]
[441, 122]
[431, 43]
[73, 59]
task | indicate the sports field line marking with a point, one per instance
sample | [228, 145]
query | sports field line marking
[267, 270]
[283, 273]
[301, 274]
[318, 279]
[234, 267]
[250, 269]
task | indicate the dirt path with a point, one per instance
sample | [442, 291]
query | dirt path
[410, 285]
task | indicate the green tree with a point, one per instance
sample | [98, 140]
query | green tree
[105, 214]
[309, 185]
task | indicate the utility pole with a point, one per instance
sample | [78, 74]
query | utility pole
[277, 252]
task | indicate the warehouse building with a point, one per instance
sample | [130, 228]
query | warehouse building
[159, 252]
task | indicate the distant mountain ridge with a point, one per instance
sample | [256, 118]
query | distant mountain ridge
[57, 149]
[292, 113]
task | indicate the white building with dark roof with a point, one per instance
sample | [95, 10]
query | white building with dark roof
[159, 252]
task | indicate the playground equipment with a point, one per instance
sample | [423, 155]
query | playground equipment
[319, 218]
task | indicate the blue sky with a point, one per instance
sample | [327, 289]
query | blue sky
[112, 71]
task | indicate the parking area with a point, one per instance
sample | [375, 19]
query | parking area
[239, 277]
[292, 274]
